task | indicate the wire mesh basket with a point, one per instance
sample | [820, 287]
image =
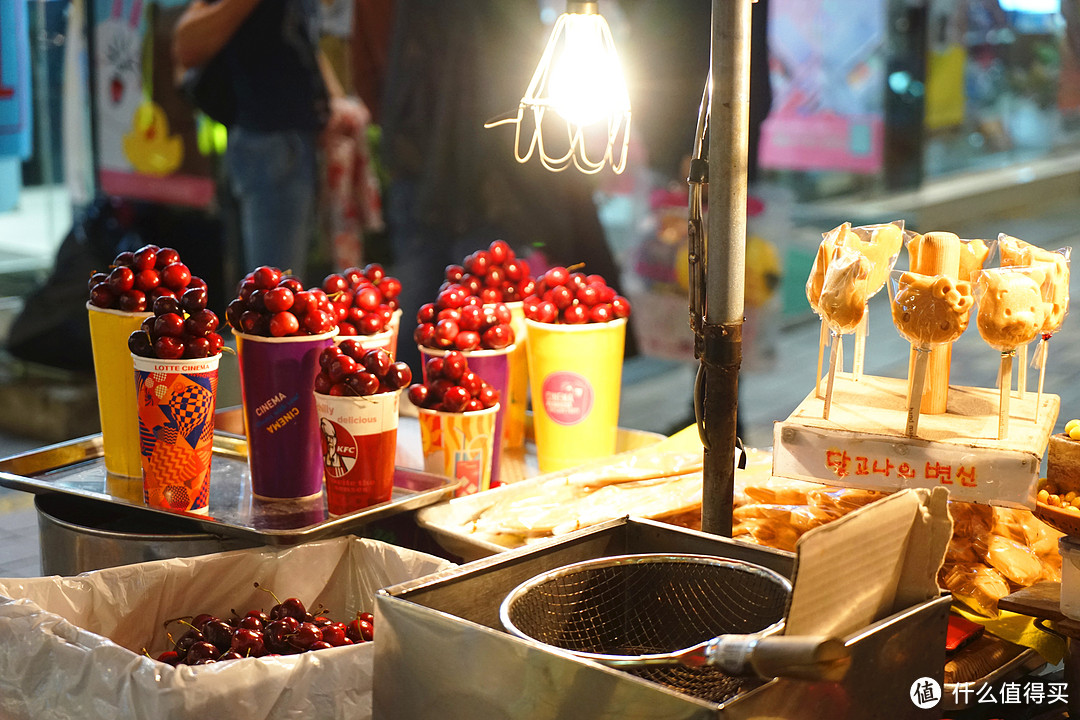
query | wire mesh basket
[619, 610]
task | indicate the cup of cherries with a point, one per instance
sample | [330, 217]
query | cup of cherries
[365, 304]
[458, 412]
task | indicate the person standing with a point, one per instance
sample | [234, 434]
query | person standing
[286, 98]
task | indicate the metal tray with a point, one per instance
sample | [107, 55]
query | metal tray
[77, 468]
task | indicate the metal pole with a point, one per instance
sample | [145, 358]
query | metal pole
[720, 343]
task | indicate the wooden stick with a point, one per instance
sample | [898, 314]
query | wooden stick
[859, 358]
[1021, 371]
[823, 340]
[833, 359]
[916, 382]
[1045, 351]
[1006, 391]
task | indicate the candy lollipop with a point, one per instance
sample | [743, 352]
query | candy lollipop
[928, 311]
[842, 303]
[1055, 289]
[1011, 313]
[814, 283]
[880, 245]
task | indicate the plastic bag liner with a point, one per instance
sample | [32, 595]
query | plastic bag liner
[73, 647]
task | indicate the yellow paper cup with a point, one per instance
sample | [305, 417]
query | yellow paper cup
[113, 368]
[518, 394]
[459, 445]
[359, 442]
[575, 374]
[176, 401]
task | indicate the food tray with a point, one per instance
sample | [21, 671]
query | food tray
[447, 522]
[77, 468]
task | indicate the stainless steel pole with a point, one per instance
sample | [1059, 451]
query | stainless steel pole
[720, 343]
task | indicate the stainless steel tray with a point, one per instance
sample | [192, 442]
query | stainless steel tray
[77, 468]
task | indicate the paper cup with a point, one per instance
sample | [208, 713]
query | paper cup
[359, 442]
[460, 446]
[176, 430]
[518, 393]
[575, 374]
[493, 367]
[395, 329]
[109, 332]
[282, 426]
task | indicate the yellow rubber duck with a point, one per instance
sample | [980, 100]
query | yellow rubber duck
[149, 147]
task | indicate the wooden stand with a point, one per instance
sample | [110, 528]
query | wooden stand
[863, 443]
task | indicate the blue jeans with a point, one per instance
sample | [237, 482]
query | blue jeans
[274, 176]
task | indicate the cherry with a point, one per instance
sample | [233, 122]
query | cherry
[132, 301]
[266, 277]
[283, 324]
[201, 650]
[121, 279]
[175, 276]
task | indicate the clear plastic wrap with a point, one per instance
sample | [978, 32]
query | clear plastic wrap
[930, 310]
[1011, 307]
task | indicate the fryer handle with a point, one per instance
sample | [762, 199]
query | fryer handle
[804, 657]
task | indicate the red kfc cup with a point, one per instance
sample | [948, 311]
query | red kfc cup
[358, 435]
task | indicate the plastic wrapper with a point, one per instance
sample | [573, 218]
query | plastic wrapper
[973, 256]
[845, 291]
[876, 247]
[74, 647]
[1011, 307]
[1055, 265]
[930, 310]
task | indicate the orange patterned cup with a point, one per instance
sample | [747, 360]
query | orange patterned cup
[460, 446]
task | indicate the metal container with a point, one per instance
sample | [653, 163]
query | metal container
[78, 535]
[442, 651]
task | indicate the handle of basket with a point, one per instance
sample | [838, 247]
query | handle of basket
[808, 657]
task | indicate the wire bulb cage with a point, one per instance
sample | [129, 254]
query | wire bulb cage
[576, 103]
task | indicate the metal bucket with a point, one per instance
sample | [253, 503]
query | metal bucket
[79, 535]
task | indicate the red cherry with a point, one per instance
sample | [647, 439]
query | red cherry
[194, 299]
[478, 262]
[363, 383]
[601, 313]
[620, 306]
[497, 337]
[323, 383]
[418, 394]
[390, 288]
[424, 335]
[216, 343]
[144, 258]
[453, 273]
[169, 323]
[334, 283]
[399, 375]
[124, 258]
[266, 277]
[165, 256]
[175, 276]
[556, 276]
[278, 299]
[377, 361]
[169, 347]
[446, 330]
[371, 323]
[341, 367]
[561, 296]
[467, 340]
[472, 383]
[367, 298]
[499, 251]
[454, 366]
[575, 315]
[132, 301]
[121, 279]
[454, 398]
[488, 396]
[196, 347]
[374, 272]
[283, 324]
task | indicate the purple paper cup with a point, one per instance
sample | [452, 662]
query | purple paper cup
[493, 367]
[282, 425]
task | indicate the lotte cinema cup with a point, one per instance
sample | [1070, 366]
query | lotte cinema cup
[109, 332]
[493, 367]
[575, 374]
[176, 401]
[277, 375]
[459, 445]
[359, 444]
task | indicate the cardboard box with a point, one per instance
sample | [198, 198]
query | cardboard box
[80, 647]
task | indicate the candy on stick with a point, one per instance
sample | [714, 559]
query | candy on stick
[880, 245]
[1011, 313]
[928, 311]
[814, 283]
[1055, 288]
[842, 303]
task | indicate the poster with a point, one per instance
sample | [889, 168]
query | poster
[827, 67]
[145, 129]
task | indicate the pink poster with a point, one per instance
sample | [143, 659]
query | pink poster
[827, 60]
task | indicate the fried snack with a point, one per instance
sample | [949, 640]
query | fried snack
[971, 520]
[1011, 308]
[931, 310]
[845, 292]
[973, 254]
[1055, 286]
[1015, 561]
[977, 585]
